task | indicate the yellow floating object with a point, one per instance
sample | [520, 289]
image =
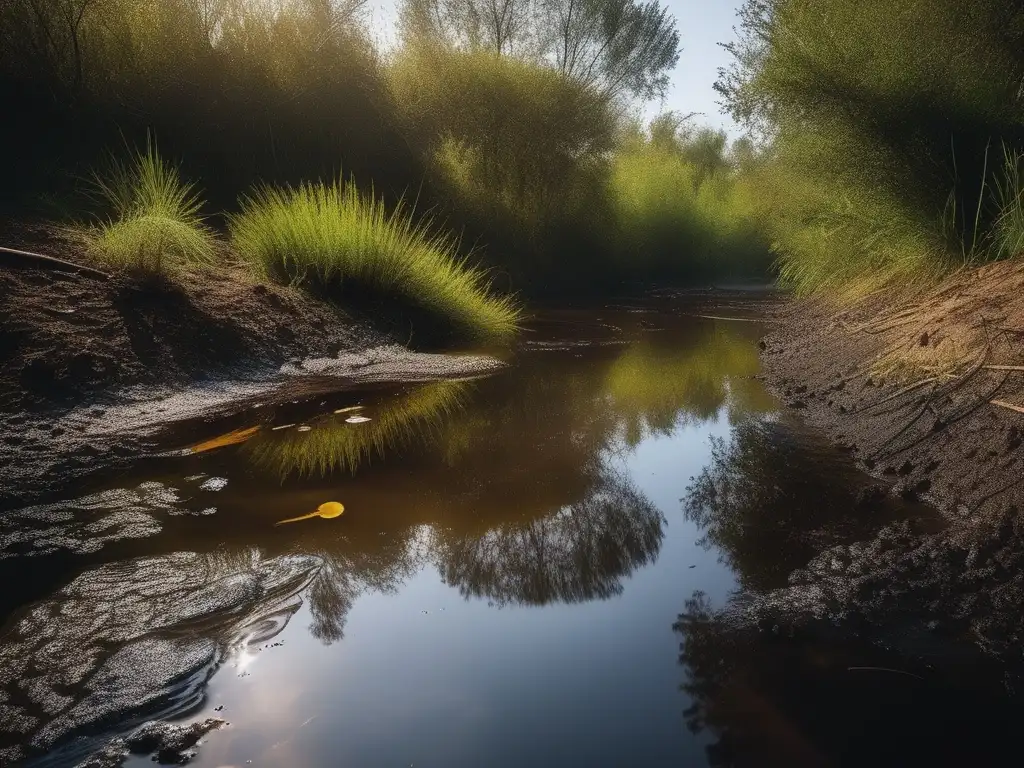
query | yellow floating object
[231, 438]
[327, 510]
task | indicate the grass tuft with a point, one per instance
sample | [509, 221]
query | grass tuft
[155, 224]
[334, 236]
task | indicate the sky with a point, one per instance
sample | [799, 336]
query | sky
[702, 24]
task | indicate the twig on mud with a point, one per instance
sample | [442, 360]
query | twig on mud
[950, 418]
[1008, 406]
[902, 392]
[734, 319]
[883, 669]
[961, 381]
[12, 257]
[1004, 367]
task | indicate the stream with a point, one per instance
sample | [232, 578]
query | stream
[532, 568]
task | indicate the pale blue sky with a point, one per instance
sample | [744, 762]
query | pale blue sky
[702, 25]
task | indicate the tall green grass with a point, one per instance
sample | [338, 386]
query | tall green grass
[155, 224]
[886, 119]
[333, 236]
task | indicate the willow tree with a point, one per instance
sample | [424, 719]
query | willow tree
[620, 48]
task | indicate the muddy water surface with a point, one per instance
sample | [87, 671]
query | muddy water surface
[526, 572]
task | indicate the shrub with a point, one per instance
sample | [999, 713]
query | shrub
[334, 236]
[886, 119]
[156, 224]
[517, 152]
[675, 220]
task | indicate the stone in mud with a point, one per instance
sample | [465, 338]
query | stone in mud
[168, 744]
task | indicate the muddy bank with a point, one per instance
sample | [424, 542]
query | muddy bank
[133, 640]
[92, 367]
[912, 387]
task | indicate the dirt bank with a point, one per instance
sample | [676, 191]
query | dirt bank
[916, 387]
[90, 365]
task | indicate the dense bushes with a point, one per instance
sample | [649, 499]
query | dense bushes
[242, 92]
[676, 219]
[516, 149]
[888, 123]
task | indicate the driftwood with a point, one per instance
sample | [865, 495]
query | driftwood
[13, 258]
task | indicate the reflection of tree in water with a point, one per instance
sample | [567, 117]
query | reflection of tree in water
[579, 552]
[345, 575]
[769, 500]
[654, 388]
[775, 693]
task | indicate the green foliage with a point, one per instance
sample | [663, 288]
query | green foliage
[334, 236]
[682, 210]
[242, 91]
[156, 223]
[533, 164]
[506, 123]
[517, 152]
[886, 120]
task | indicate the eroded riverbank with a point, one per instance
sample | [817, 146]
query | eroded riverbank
[586, 556]
[916, 390]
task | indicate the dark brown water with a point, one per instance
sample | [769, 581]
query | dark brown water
[526, 573]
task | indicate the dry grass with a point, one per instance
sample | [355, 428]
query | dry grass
[973, 318]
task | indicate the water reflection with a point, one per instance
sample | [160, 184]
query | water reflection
[339, 442]
[511, 487]
[653, 386]
[761, 500]
[580, 552]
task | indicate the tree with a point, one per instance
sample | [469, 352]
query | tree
[619, 46]
[506, 27]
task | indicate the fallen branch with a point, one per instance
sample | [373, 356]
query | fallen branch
[1004, 367]
[733, 319]
[11, 257]
[902, 392]
[1008, 406]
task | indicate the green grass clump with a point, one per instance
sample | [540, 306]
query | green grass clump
[334, 236]
[155, 224]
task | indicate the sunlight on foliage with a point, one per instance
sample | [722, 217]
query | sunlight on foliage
[156, 224]
[333, 235]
